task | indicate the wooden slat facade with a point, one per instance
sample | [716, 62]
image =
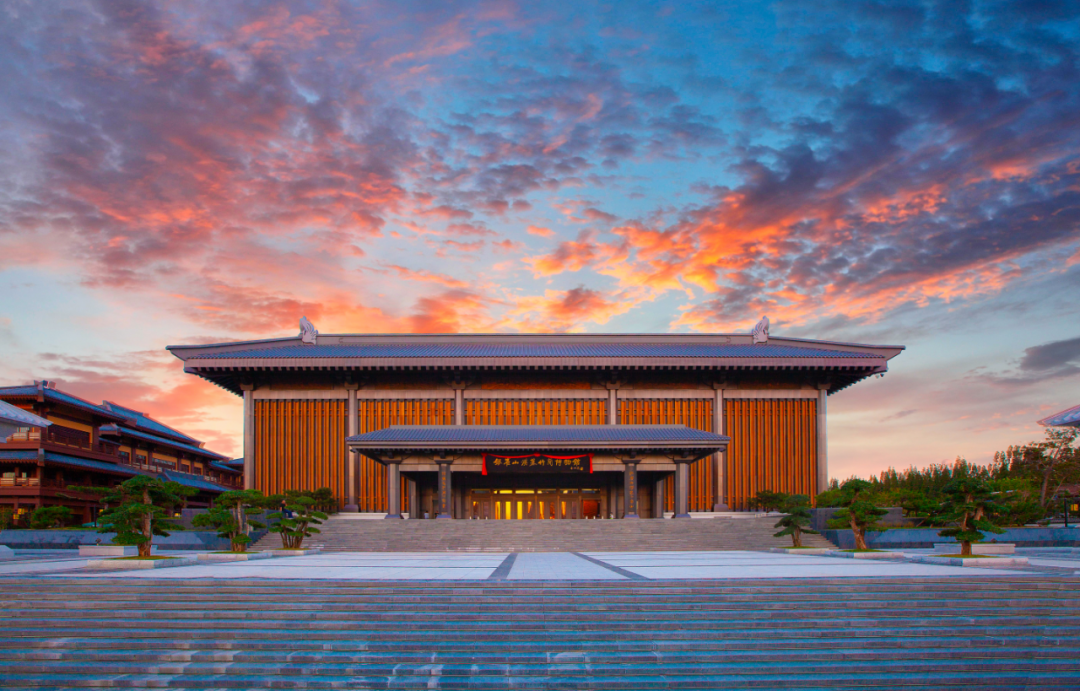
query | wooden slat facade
[592, 411]
[696, 413]
[300, 445]
[379, 414]
[773, 447]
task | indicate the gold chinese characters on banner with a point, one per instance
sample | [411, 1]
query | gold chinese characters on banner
[538, 463]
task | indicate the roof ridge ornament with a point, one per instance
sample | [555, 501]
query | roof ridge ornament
[761, 331]
[308, 333]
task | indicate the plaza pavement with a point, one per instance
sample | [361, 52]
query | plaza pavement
[558, 566]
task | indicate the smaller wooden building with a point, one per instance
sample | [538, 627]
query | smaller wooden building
[96, 445]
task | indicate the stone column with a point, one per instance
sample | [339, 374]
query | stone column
[658, 498]
[822, 439]
[459, 406]
[682, 488]
[352, 460]
[720, 459]
[249, 436]
[393, 488]
[613, 406]
[630, 487]
[445, 494]
[414, 498]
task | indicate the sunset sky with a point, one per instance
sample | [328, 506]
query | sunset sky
[895, 173]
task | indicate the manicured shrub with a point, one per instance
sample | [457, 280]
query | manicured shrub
[45, 517]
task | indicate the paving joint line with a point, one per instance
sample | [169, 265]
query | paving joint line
[502, 571]
[610, 567]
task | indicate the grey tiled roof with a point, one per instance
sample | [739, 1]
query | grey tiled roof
[144, 421]
[195, 481]
[59, 397]
[524, 350]
[1066, 418]
[524, 434]
[172, 443]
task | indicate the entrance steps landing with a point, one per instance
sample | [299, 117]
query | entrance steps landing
[343, 533]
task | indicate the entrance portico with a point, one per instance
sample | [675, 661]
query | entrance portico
[538, 471]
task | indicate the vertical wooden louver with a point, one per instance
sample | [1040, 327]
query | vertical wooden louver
[589, 411]
[773, 447]
[300, 445]
[696, 413]
[379, 414]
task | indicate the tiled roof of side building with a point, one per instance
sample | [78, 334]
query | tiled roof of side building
[117, 429]
[228, 466]
[480, 434]
[90, 464]
[524, 350]
[146, 422]
[59, 397]
[1066, 418]
[195, 481]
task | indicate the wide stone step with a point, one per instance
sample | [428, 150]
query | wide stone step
[960, 678]
[678, 657]
[344, 534]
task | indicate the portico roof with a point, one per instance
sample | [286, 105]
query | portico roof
[464, 438]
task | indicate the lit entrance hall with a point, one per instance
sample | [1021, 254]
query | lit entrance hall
[548, 503]
[541, 472]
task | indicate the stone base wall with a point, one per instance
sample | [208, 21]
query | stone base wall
[926, 538]
[71, 539]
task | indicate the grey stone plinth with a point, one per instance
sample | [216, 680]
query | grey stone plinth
[130, 564]
[977, 548]
[293, 552]
[111, 550]
[864, 555]
[800, 550]
[235, 556]
[6, 553]
[984, 562]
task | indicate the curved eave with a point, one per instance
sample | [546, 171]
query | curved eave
[227, 373]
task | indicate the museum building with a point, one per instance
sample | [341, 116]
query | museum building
[516, 426]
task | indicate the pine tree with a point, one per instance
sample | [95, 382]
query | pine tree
[858, 513]
[302, 524]
[138, 509]
[968, 506]
[796, 521]
[229, 516]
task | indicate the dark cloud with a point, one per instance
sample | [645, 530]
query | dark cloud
[1054, 356]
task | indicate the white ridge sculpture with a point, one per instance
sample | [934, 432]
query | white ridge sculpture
[761, 331]
[307, 331]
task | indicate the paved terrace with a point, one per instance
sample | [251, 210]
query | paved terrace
[589, 566]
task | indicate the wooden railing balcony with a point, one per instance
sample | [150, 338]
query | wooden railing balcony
[64, 436]
[19, 482]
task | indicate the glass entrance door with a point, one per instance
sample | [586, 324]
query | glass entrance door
[535, 504]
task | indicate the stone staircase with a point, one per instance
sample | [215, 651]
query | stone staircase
[1005, 632]
[343, 533]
